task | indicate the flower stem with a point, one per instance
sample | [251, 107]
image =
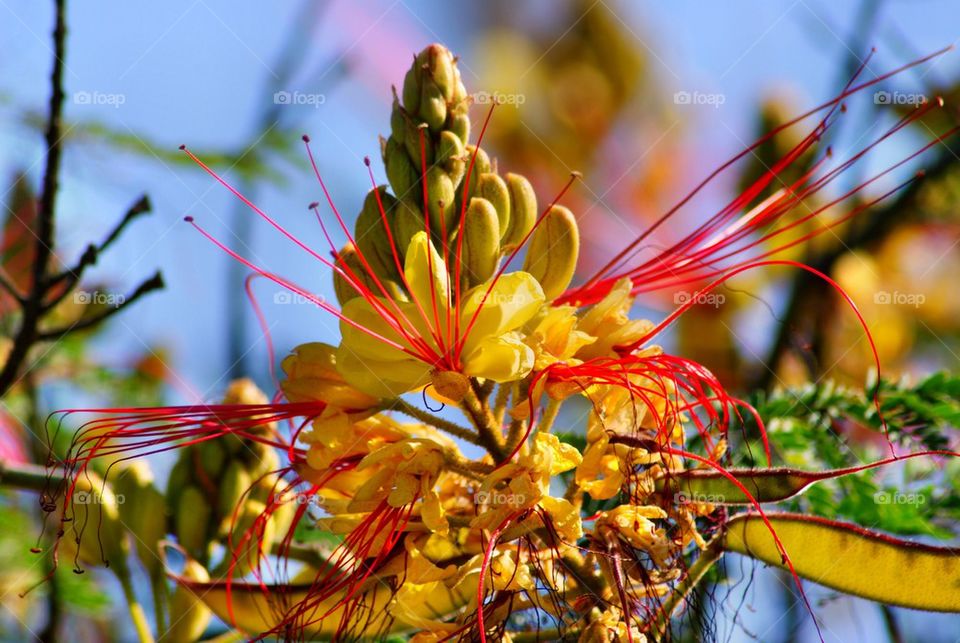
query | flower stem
[452, 428]
[137, 614]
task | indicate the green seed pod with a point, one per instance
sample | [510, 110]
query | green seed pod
[552, 253]
[401, 173]
[407, 220]
[523, 211]
[371, 236]
[192, 521]
[494, 189]
[440, 201]
[189, 615]
[481, 242]
[233, 488]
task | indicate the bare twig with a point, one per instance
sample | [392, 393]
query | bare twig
[153, 283]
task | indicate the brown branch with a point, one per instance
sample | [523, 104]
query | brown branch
[71, 276]
[33, 306]
[153, 283]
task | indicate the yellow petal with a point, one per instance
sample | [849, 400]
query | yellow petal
[501, 359]
[513, 300]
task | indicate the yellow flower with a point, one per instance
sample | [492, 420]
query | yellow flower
[312, 375]
[408, 341]
[555, 338]
[634, 524]
[608, 320]
[526, 484]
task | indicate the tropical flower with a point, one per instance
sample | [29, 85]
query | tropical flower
[518, 514]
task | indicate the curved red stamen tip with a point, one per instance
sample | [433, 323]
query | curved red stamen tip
[188, 219]
[183, 147]
[305, 138]
[313, 205]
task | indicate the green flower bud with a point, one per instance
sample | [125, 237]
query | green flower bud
[523, 211]
[481, 165]
[247, 536]
[189, 615]
[450, 155]
[437, 63]
[552, 253]
[411, 89]
[450, 147]
[407, 220]
[95, 534]
[398, 121]
[350, 263]
[371, 236]
[481, 242]
[192, 520]
[233, 488]
[433, 108]
[401, 173]
[412, 143]
[143, 511]
[460, 125]
[440, 202]
[212, 457]
[494, 189]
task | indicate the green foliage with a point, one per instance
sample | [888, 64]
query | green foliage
[826, 426]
